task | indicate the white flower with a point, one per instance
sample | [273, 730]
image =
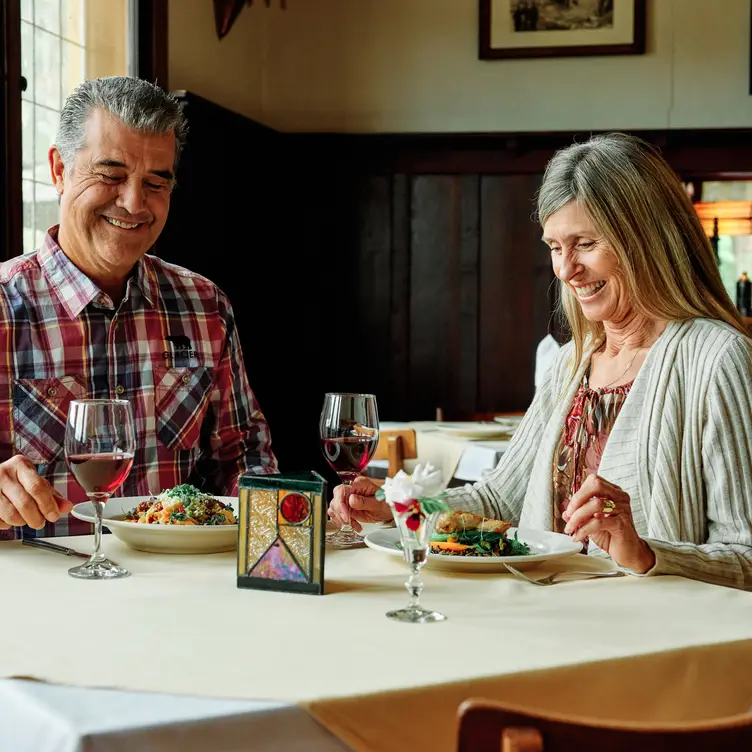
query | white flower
[425, 481]
[400, 488]
[429, 477]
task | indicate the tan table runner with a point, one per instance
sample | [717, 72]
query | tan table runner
[180, 625]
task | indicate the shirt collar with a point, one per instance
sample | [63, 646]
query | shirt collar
[73, 288]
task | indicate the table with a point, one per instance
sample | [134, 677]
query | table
[460, 459]
[38, 717]
[653, 646]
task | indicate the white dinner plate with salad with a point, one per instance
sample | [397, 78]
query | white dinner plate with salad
[162, 539]
[490, 430]
[544, 547]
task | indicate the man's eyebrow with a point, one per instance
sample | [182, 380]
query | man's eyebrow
[164, 174]
[108, 163]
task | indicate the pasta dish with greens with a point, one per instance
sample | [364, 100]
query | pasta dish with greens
[182, 505]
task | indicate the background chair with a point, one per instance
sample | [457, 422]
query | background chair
[396, 445]
[490, 726]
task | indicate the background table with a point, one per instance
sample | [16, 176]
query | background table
[460, 459]
[661, 648]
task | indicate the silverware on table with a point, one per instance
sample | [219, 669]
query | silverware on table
[49, 546]
[552, 578]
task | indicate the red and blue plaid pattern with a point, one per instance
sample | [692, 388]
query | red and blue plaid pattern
[170, 348]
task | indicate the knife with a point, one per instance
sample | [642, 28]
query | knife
[41, 543]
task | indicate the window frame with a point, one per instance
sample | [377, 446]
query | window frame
[149, 18]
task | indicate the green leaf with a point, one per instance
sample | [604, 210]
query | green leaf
[431, 504]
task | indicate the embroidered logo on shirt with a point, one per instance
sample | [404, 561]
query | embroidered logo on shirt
[181, 348]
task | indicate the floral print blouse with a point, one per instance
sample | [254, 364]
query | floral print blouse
[586, 430]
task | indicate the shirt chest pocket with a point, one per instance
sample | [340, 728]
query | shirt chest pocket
[40, 410]
[181, 401]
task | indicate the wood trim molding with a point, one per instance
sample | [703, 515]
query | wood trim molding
[721, 153]
[151, 28]
[11, 207]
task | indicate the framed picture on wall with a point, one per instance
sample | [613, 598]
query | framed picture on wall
[560, 28]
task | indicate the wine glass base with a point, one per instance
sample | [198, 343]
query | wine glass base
[344, 539]
[98, 570]
[415, 615]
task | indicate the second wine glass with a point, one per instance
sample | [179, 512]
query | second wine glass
[349, 433]
[99, 447]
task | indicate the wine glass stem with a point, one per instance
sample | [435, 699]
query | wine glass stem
[98, 556]
[346, 527]
[414, 586]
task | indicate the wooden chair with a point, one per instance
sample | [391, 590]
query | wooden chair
[396, 445]
[490, 726]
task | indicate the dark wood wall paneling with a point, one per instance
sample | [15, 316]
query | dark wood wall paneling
[408, 266]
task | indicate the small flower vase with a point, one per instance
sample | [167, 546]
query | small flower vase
[415, 529]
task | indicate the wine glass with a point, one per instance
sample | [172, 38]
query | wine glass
[415, 529]
[99, 447]
[349, 433]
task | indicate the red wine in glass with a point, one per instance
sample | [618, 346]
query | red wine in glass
[349, 455]
[349, 434]
[100, 442]
[100, 473]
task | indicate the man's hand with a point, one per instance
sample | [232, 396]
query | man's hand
[26, 498]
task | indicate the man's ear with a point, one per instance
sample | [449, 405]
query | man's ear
[57, 169]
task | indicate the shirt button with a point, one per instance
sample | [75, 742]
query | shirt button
[119, 389]
[52, 392]
[185, 378]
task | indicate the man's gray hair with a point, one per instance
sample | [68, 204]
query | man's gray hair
[138, 104]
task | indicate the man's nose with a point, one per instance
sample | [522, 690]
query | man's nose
[131, 197]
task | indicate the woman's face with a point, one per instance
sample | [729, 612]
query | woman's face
[585, 262]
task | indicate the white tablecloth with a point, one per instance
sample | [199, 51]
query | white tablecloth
[38, 717]
[474, 458]
[683, 648]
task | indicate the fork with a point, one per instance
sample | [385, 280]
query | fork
[551, 578]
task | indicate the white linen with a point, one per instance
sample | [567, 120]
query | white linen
[38, 717]
[681, 447]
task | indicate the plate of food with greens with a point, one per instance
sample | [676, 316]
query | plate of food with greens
[470, 543]
[179, 520]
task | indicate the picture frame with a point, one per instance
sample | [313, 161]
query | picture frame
[560, 28]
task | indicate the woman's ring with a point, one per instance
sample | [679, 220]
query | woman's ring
[608, 506]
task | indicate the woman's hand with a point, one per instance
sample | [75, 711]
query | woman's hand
[602, 512]
[357, 503]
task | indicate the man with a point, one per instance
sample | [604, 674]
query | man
[90, 315]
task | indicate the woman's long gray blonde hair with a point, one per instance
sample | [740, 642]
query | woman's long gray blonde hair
[640, 206]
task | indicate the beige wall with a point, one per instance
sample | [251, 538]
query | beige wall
[412, 65]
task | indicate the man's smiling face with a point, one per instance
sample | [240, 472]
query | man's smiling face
[116, 195]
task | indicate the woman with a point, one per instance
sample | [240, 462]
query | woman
[639, 441]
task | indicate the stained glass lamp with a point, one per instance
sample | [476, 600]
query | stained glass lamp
[282, 532]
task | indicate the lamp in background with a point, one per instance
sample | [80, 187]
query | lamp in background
[724, 218]
[226, 13]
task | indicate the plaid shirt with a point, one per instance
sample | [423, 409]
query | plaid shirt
[170, 348]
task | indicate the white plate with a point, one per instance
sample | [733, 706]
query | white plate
[511, 423]
[544, 546]
[489, 430]
[162, 539]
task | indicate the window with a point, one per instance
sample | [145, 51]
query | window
[63, 42]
